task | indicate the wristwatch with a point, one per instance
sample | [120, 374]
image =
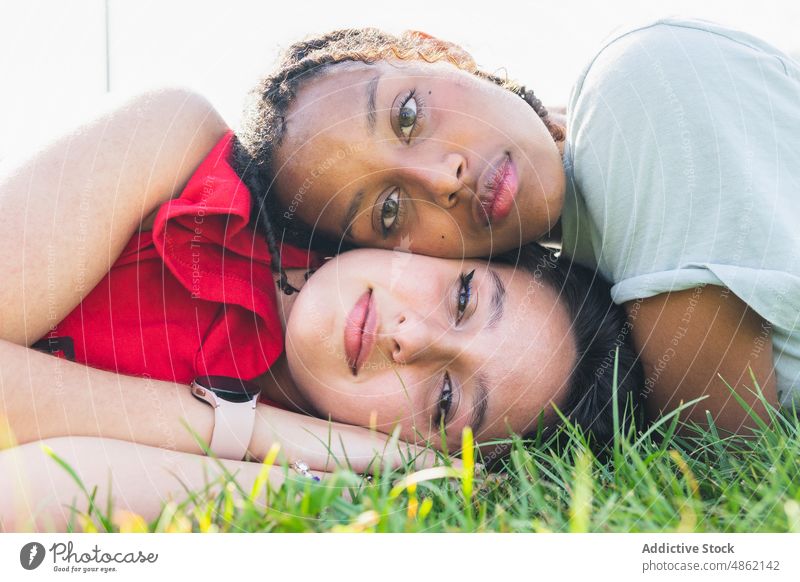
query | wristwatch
[234, 403]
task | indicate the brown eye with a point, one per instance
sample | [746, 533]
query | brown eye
[408, 116]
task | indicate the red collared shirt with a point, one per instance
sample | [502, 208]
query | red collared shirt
[195, 296]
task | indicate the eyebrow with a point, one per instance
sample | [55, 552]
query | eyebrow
[372, 97]
[480, 403]
[352, 210]
[498, 300]
[481, 400]
[372, 120]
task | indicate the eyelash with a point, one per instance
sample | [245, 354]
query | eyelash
[419, 115]
[464, 294]
[442, 411]
[462, 302]
[398, 218]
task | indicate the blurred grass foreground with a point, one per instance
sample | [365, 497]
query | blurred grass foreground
[651, 481]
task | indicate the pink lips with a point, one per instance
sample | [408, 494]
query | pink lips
[359, 331]
[498, 188]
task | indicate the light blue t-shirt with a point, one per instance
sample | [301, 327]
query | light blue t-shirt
[683, 169]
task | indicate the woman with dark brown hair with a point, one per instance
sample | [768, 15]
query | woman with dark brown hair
[187, 316]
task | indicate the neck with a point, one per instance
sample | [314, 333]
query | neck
[277, 383]
[553, 236]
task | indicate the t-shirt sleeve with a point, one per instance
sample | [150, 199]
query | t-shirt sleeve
[686, 149]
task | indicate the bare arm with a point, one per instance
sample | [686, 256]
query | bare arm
[67, 212]
[42, 397]
[38, 493]
[65, 216]
[325, 445]
[689, 339]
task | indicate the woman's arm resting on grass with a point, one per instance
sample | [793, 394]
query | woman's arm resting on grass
[65, 215]
[38, 493]
[42, 396]
[326, 445]
[688, 339]
[67, 212]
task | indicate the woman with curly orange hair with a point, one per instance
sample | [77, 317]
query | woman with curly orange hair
[673, 174]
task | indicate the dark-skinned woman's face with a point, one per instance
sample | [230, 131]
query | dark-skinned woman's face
[418, 157]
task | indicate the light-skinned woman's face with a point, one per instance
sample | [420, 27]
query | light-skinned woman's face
[422, 157]
[379, 339]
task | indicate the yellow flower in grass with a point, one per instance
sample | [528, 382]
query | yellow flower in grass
[364, 522]
[425, 508]
[86, 524]
[468, 462]
[580, 509]
[204, 519]
[179, 524]
[129, 522]
[413, 502]
[173, 520]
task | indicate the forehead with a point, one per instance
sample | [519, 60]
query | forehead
[344, 80]
[329, 98]
[325, 141]
[326, 123]
[338, 94]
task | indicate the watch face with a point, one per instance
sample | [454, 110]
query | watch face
[229, 388]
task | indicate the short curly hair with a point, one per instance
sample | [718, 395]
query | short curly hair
[264, 120]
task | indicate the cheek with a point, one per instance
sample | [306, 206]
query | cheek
[310, 346]
[442, 235]
[361, 407]
[382, 402]
[344, 400]
[484, 112]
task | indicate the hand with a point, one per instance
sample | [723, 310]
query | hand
[324, 445]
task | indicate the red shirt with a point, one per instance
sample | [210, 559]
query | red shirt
[194, 296]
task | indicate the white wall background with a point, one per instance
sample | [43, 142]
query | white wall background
[57, 57]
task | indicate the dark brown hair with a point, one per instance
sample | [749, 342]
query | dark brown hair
[603, 342]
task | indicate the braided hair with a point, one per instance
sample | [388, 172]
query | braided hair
[264, 119]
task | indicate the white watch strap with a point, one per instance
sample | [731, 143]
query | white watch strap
[233, 428]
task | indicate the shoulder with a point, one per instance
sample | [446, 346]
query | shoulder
[172, 100]
[677, 90]
[676, 47]
[677, 155]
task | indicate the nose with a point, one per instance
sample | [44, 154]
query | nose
[415, 338]
[440, 180]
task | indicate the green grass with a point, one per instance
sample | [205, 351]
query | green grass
[653, 481]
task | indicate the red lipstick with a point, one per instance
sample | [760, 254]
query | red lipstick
[497, 189]
[359, 331]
